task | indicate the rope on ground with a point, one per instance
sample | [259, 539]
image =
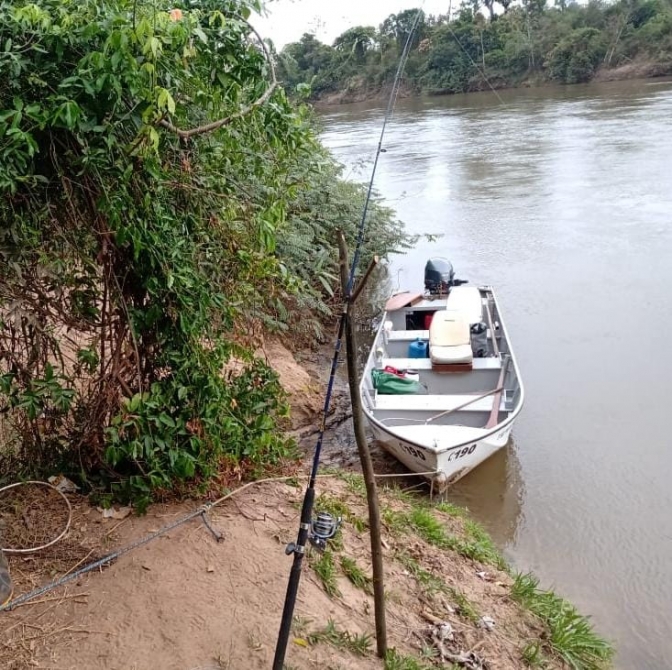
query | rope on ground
[62, 534]
[201, 511]
[106, 560]
[407, 474]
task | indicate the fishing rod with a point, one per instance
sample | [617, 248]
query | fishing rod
[320, 530]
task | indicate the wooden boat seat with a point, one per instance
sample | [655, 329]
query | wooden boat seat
[491, 363]
[435, 403]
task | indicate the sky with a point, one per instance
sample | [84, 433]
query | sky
[287, 20]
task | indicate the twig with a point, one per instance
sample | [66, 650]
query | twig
[51, 600]
[249, 518]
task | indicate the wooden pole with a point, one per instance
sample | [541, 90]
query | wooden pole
[364, 453]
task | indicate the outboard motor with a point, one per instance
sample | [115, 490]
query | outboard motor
[440, 276]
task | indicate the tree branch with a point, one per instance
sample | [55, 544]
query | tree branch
[215, 125]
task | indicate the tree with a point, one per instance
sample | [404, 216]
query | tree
[397, 27]
[357, 41]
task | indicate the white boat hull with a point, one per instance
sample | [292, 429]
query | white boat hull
[462, 417]
[442, 467]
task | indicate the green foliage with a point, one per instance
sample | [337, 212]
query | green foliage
[577, 56]
[128, 253]
[324, 205]
[159, 204]
[476, 46]
[571, 635]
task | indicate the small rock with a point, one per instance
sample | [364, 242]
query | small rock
[63, 484]
[113, 513]
[210, 568]
[445, 632]
[486, 622]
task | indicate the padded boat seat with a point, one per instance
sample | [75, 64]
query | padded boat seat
[466, 303]
[449, 340]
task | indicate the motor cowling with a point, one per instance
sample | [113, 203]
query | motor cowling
[440, 276]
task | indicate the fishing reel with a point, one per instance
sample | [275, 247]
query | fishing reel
[322, 529]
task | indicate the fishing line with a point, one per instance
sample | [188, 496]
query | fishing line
[309, 530]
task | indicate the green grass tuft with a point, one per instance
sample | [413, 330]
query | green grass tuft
[359, 524]
[429, 527]
[356, 643]
[396, 522]
[354, 482]
[395, 661]
[524, 589]
[464, 606]
[356, 575]
[327, 503]
[326, 570]
[533, 655]
[479, 546]
[450, 509]
[338, 508]
[571, 636]
[430, 584]
[300, 624]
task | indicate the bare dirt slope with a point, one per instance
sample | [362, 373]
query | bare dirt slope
[186, 601]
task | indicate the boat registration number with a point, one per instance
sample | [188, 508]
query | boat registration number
[413, 451]
[461, 453]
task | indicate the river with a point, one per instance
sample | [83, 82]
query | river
[562, 199]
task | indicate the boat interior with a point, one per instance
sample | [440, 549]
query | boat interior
[455, 346]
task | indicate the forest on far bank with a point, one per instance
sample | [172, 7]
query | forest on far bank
[496, 43]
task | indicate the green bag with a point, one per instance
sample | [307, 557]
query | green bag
[389, 384]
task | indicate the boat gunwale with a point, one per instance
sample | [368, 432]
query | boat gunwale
[503, 424]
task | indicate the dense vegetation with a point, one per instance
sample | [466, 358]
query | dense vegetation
[162, 206]
[497, 43]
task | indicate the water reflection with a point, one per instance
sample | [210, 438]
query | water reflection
[493, 494]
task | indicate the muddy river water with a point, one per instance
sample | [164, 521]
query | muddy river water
[561, 198]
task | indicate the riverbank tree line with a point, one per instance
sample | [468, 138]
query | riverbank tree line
[163, 207]
[483, 43]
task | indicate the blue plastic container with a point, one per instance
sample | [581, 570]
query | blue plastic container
[418, 349]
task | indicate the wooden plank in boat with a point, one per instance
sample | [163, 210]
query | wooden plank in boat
[402, 300]
[448, 368]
